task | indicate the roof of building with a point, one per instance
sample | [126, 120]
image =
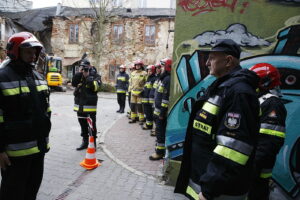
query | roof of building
[37, 19]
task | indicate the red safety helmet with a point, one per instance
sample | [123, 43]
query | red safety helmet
[167, 62]
[22, 40]
[152, 68]
[269, 75]
[139, 62]
[123, 67]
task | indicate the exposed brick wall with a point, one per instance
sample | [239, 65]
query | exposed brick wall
[131, 48]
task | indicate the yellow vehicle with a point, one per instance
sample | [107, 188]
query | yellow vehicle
[52, 70]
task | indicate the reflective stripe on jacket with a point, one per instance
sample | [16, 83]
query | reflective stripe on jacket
[137, 81]
[86, 92]
[220, 138]
[162, 93]
[122, 82]
[147, 89]
[24, 111]
[271, 133]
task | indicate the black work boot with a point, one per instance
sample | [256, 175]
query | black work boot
[156, 156]
[84, 144]
[122, 109]
[132, 121]
[147, 127]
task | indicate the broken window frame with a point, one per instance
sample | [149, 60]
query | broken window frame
[117, 38]
[73, 33]
[112, 72]
[150, 35]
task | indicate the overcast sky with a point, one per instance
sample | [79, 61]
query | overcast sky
[44, 3]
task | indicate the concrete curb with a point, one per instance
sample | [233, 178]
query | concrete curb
[115, 159]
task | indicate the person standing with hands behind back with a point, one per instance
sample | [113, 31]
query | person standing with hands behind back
[87, 83]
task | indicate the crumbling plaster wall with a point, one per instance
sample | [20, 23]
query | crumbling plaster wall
[131, 48]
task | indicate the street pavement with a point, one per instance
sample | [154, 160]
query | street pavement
[125, 173]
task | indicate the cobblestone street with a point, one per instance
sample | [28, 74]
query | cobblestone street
[125, 173]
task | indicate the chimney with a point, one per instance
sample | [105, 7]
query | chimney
[58, 8]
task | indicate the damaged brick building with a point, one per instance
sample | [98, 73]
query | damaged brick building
[128, 34]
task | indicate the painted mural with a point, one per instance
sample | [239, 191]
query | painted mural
[268, 32]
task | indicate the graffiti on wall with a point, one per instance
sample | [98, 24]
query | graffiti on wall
[203, 6]
[237, 32]
[194, 78]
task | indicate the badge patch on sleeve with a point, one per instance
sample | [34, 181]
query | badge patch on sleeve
[232, 120]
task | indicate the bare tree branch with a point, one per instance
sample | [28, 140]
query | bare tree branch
[104, 13]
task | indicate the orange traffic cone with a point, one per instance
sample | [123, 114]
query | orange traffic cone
[90, 161]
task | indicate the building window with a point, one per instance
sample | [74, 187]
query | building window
[150, 34]
[117, 3]
[112, 71]
[74, 33]
[117, 34]
[142, 3]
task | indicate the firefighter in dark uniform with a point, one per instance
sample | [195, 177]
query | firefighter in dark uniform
[271, 132]
[221, 135]
[152, 94]
[161, 103]
[122, 87]
[146, 97]
[87, 84]
[24, 119]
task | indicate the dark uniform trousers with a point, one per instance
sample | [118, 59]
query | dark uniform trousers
[84, 124]
[149, 114]
[22, 180]
[121, 100]
[161, 125]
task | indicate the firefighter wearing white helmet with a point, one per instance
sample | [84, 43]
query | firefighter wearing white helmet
[122, 83]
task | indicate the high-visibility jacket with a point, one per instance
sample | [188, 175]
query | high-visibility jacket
[153, 89]
[271, 133]
[86, 92]
[137, 81]
[221, 138]
[24, 111]
[147, 88]
[161, 96]
[122, 82]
